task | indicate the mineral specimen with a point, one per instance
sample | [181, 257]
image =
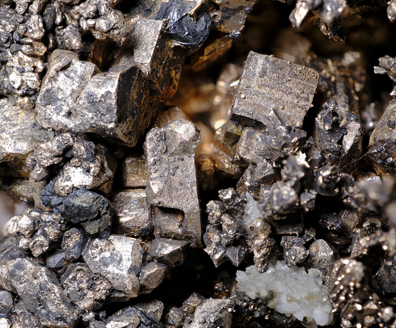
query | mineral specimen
[187, 31]
[295, 293]
[386, 278]
[37, 286]
[172, 185]
[88, 208]
[133, 213]
[211, 312]
[84, 164]
[226, 228]
[168, 251]
[19, 134]
[321, 255]
[85, 289]
[151, 276]
[98, 113]
[125, 257]
[231, 15]
[156, 56]
[6, 303]
[291, 87]
[133, 317]
[294, 251]
[134, 172]
[72, 243]
[123, 121]
[381, 152]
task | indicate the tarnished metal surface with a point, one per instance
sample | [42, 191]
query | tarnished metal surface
[171, 181]
[270, 84]
[133, 213]
[126, 255]
[156, 154]
[79, 107]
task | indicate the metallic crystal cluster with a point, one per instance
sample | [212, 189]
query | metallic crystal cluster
[160, 145]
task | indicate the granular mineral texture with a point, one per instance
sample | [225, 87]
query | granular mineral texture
[197, 164]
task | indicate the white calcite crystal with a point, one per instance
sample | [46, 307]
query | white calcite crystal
[290, 291]
[252, 210]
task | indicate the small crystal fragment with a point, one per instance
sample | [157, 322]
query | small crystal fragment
[92, 210]
[72, 243]
[85, 289]
[168, 251]
[133, 216]
[172, 180]
[156, 56]
[321, 255]
[210, 311]
[126, 254]
[134, 172]
[151, 276]
[6, 303]
[19, 133]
